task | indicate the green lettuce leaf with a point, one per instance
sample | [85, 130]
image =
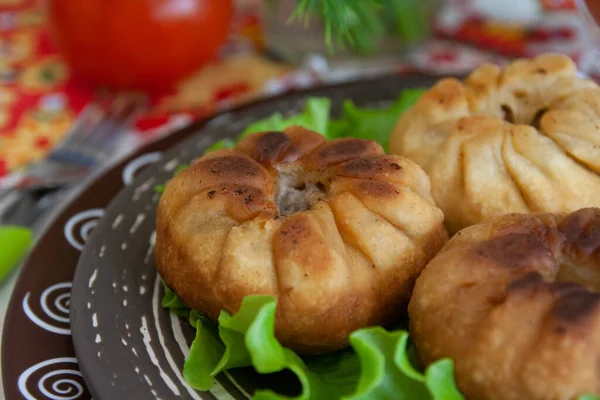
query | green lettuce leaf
[389, 374]
[206, 352]
[15, 241]
[363, 123]
[378, 360]
[372, 123]
[220, 144]
[161, 188]
[173, 303]
[315, 116]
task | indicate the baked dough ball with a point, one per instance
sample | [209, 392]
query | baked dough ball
[513, 301]
[337, 231]
[521, 139]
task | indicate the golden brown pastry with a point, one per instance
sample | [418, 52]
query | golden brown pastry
[513, 301]
[521, 139]
[337, 231]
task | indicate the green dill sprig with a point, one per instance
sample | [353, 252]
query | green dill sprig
[360, 23]
[341, 18]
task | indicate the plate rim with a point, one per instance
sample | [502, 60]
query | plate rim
[186, 133]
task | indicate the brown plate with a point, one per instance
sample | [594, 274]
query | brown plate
[38, 361]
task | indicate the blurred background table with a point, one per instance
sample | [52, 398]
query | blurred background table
[39, 100]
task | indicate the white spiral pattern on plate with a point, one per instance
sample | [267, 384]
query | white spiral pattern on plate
[135, 165]
[217, 389]
[79, 227]
[173, 366]
[56, 383]
[55, 302]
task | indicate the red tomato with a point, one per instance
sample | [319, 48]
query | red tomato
[144, 44]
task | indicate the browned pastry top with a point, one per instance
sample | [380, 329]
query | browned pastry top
[514, 302]
[336, 230]
[524, 138]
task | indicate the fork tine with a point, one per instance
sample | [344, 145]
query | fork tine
[107, 131]
[101, 125]
[97, 135]
[90, 142]
[82, 122]
[90, 114]
[103, 108]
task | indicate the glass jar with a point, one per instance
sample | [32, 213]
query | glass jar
[589, 59]
[409, 24]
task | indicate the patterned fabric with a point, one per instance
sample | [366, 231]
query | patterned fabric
[39, 101]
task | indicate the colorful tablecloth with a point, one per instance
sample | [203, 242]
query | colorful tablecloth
[39, 101]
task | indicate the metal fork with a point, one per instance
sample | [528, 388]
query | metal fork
[91, 143]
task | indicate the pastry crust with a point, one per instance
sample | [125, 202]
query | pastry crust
[513, 301]
[522, 139]
[337, 231]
